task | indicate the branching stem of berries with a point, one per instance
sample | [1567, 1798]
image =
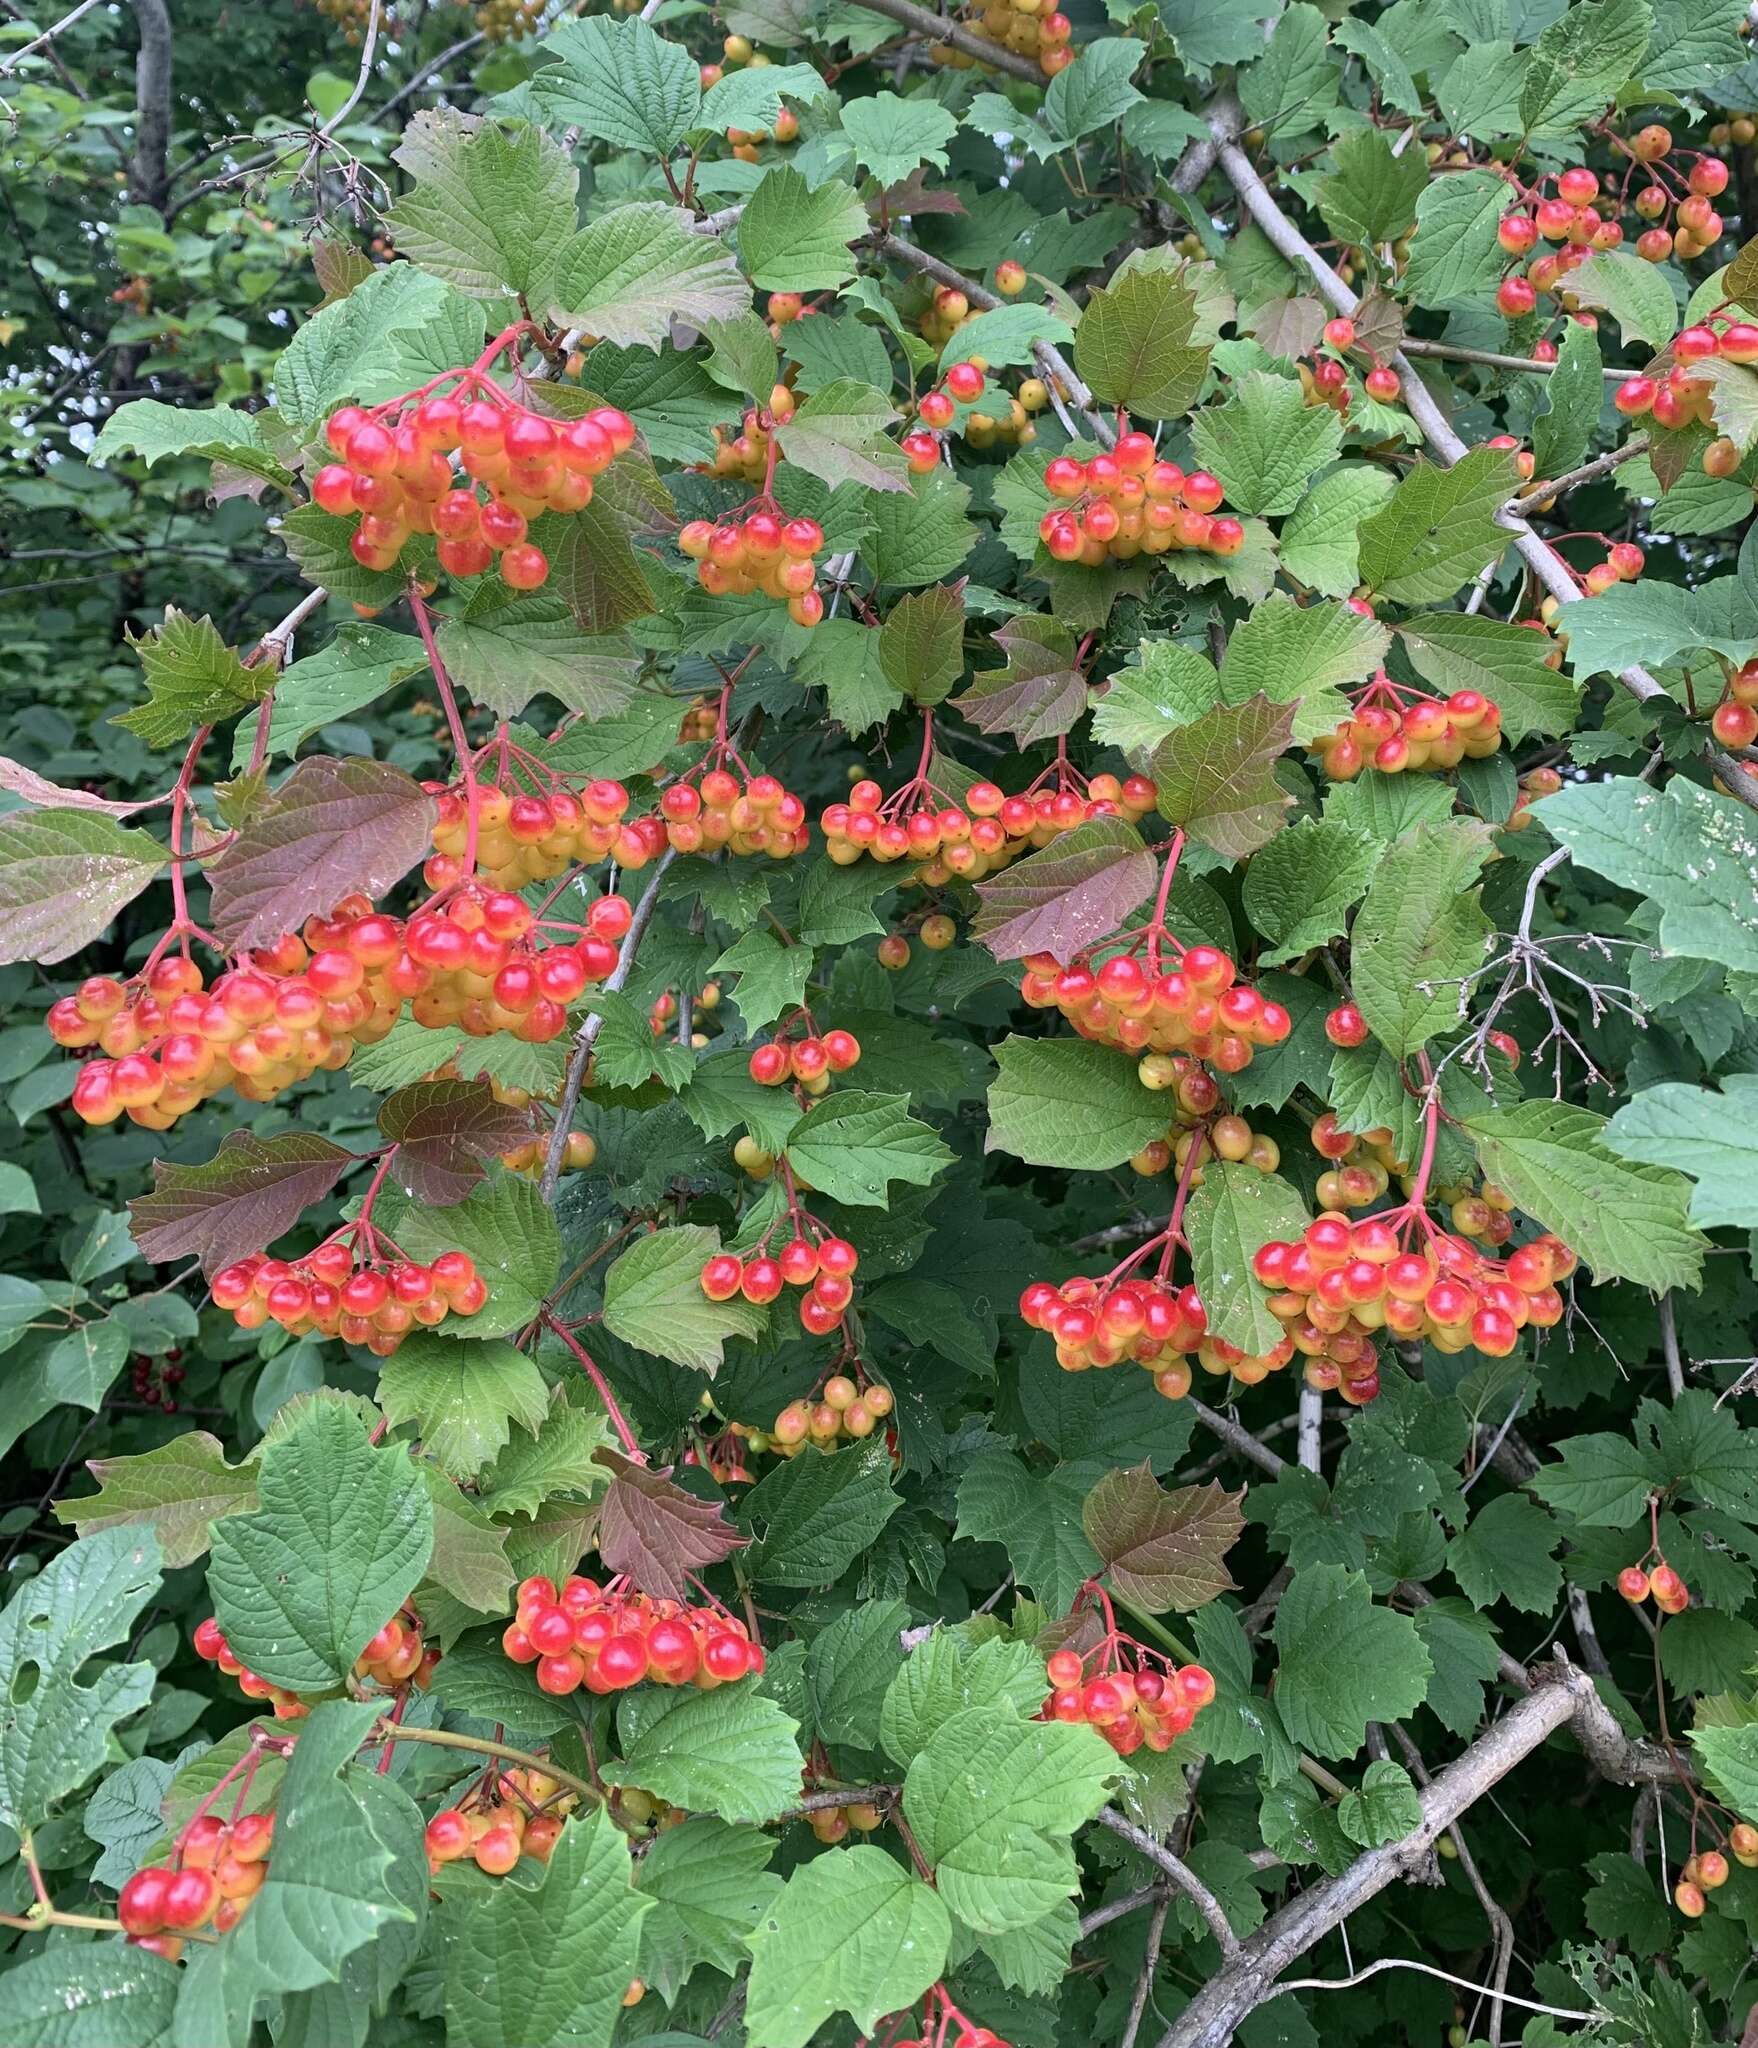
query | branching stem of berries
[455, 726]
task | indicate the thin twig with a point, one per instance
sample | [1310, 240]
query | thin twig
[1184, 1879]
[1669, 1345]
[1150, 1962]
[614, 982]
[1559, 2012]
[11, 64]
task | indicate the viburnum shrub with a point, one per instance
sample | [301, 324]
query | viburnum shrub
[879, 928]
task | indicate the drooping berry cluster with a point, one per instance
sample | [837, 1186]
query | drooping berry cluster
[714, 807]
[763, 552]
[510, 1813]
[1150, 1321]
[845, 1408]
[210, 1644]
[1340, 1282]
[398, 1652]
[1135, 1697]
[1114, 507]
[306, 1001]
[333, 1292]
[936, 933]
[579, 1150]
[971, 839]
[217, 1868]
[745, 454]
[1019, 26]
[1394, 728]
[1226, 1137]
[812, 1259]
[1197, 1006]
[608, 1638]
[1536, 782]
[999, 418]
[1578, 215]
[797, 1052]
[154, 1381]
[395, 470]
[1326, 381]
[526, 835]
[836, 1823]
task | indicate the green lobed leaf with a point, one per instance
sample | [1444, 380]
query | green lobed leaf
[1505, 663]
[1628, 1221]
[711, 1886]
[1068, 1103]
[852, 1931]
[509, 1233]
[653, 1299]
[83, 1995]
[1229, 1218]
[1343, 1661]
[947, 1674]
[812, 1516]
[638, 268]
[1701, 1133]
[1266, 442]
[731, 1751]
[1580, 62]
[57, 1712]
[1036, 1519]
[1438, 528]
[341, 1535]
[1635, 293]
[1455, 258]
[490, 209]
[462, 1398]
[1304, 655]
[1419, 932]
[794, 236]
[177, 1490]
[619, 82]
[1134, 346]
[192, 678]
[1574, 394]
[851, 1146]
[892, 135]
[1216, 776]
[1300, 888]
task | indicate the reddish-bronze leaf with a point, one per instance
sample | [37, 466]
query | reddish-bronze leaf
[240, 1201]
[656, 1532]
[444, 1131]
[1070, 894]
[333, 827]
[1162, 1550]
[1040, 694]
[51, 796]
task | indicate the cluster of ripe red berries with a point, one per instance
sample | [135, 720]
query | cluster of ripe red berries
[211, 1645]
[306, 1001]
[752, 814]
[1735, 719]
[608, 1638]
[763, 552]
[983, 833]
[1394, 728]
[1132, 1704]
[1579, 217]
[823, 1267]
[375, 1303]
[807, 1059]
[1659, 1583]
[519, 1814]
[155, 1381]
[525, 836]
[395, 471]
[1706, 1870]
[962, 384]
[1342, 1279]
[1114, 507]
[834, 1824]
[1198, 1006]
[217, 1868]
[1019, 26]
[1100, 1323]
[1327, 381]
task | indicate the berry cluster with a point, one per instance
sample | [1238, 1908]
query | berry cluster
[526, 835]
[331, 1292]
[1226, 1137]
[798, 1053]
[398, 1653]
[811, 1259]
[712, 807]
[759, 552]
[845, 1407]
[608, 1638]
[1326, 381]
[1020, 26]
[1100, 1323]
[305, 1002]
[211, 1646]
[936, 933]
[1133, 1696]
[947, 310]
[506, 21]
[1340, 1282]
[835, 1823]
[1536, 782]
[964, 384]
[745, 455]
[517, 1812]
[1197, 1007]
[1361, 1162]
[169, 1041]
[1578, 216]
[1703, 1872]
[970, 839]
[395, 471]
[1734, 720]
[217, 1868]
[154, 1381]
[1114, 507]
[1394, 728]
[746, 142]
[579, 1151]
[1651, 1577]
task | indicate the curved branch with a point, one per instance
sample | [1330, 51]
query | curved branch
[1184, 1879]
[1537, 553]
[938, 29]
[1563, 1696]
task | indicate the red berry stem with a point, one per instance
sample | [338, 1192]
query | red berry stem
[454, 725]
[588, 1365]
